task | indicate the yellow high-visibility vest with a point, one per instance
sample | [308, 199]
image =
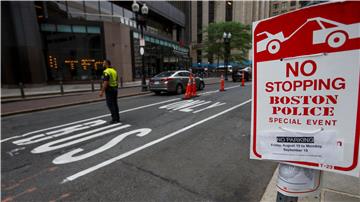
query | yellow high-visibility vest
[113, 77]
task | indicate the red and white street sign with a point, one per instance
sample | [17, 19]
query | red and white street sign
[305, 108]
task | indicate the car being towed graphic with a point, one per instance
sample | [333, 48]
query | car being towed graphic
[271, 43]
[335, 37]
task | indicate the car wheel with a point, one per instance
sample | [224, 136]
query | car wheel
[336, 39]
[202, 85]
[157, 92]
[273, 46]
[179, 89]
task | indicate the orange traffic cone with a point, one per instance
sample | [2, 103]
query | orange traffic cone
[193, 93]
[188, 89]
[222, 83]
[243, 79]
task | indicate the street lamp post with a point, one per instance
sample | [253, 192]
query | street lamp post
[141, 21]
[227, 38]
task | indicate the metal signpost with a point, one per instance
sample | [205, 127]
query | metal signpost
[305, 109]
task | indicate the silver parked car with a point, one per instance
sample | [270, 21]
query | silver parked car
[173, 81]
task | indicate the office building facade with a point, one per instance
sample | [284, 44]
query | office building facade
[279, 7]
[205, 12]
[49, 41]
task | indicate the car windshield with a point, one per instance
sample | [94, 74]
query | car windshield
[165, 74]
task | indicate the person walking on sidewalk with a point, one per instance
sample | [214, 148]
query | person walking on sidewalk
[110, 87]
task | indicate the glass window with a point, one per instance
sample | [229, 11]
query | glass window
[228, 10]
[79, 56]
[92, 10]
[76, 9]
[93, 30]
[165, 74]
[106, 11]
[56, 9]
[136, 35]
[211, 11]
[48, 27]
[276, 6]
[293, 3]
[79, 29]
[186, 74]
[199, 21]
[118, 13]
[63, 28]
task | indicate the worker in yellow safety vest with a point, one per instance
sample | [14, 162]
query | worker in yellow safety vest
[110, 87]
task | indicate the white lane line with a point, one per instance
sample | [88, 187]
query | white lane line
[216, 91]
[126, 154]
[105, 115]
[97, 117]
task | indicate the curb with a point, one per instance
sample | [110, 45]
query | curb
[51, 95]
[67, 105]
[54, 95]
[70, 104]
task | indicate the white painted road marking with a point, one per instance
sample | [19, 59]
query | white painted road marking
[84, 120]
[56, 144]
[102, 116]
[15, 151]
[126, 154]
[69, 157]
[188, 105]
[58, 133]
[216, 91]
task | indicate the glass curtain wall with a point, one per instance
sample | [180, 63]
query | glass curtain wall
[160, 55]
[73, 39]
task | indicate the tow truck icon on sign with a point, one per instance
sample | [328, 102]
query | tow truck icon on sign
[335, 37]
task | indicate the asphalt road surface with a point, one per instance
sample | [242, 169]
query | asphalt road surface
[164, 149]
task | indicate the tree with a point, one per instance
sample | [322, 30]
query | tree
[240, 42]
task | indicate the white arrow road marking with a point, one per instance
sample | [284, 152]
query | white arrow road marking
[57, 133]
[15, 151]
[55, 144]
[105, 115]
[69, 157]
[84, 120]
[126, 154]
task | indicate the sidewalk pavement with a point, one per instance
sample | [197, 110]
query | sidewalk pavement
[48, 100]
[9, 93]
[333, 188]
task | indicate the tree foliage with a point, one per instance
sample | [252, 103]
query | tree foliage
[240, 42]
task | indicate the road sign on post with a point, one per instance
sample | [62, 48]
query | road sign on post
[306, 108]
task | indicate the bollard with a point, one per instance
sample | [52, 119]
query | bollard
[92, 86]
[21, 86]
[121, 82]
[294, 182]
[243, 79]
[61, 87]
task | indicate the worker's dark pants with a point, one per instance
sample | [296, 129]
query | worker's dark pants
[111, 101]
